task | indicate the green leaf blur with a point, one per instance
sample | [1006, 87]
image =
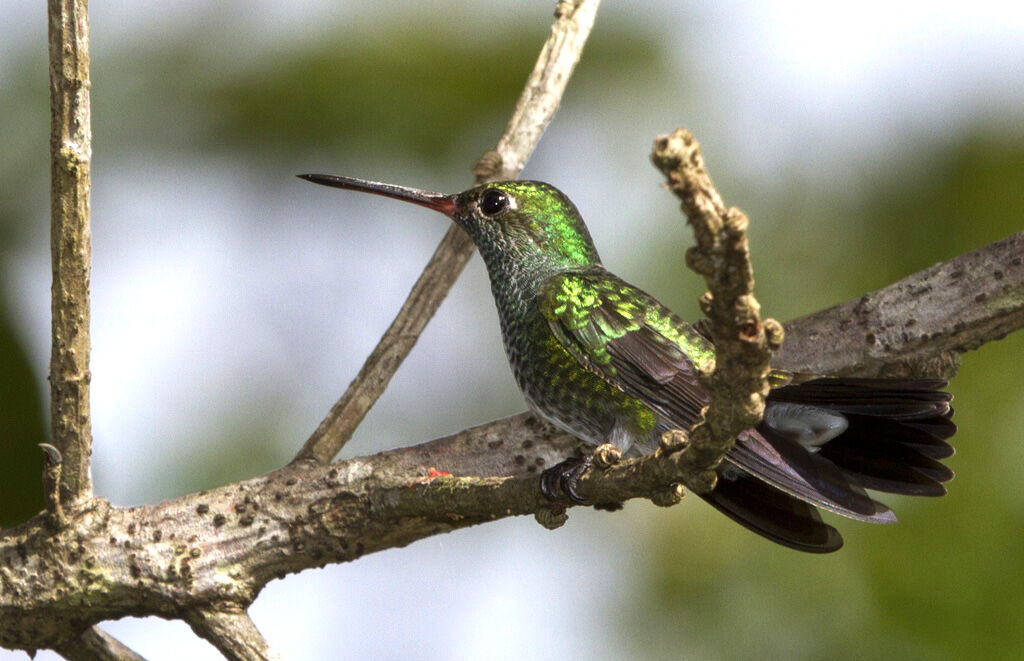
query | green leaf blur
[21, 422]
[947, 582]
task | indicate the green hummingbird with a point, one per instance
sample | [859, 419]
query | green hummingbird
[605, 361]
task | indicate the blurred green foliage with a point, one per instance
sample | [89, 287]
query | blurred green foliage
[421, 90]
[945, 583]
[401, 92]
[22, 427]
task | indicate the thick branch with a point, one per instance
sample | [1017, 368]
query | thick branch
[919, 325]
[97, 645]
[229, 629]
[536, 107]
[225, 545]
[738, 384]
[70, 156]
[184, 557]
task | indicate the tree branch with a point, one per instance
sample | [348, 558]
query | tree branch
[920, 325]
[224, 545]
[536, 107]
[70, 157]
[229, 629]
[738, 383]
[97, 645]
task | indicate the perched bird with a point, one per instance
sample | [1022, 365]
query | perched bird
[608, 363]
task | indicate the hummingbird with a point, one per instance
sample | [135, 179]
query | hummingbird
[607, 362]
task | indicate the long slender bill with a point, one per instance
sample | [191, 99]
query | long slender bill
[436, 201]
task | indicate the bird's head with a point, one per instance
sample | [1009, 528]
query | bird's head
[527, 222]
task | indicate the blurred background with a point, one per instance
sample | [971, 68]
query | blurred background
[233, 303]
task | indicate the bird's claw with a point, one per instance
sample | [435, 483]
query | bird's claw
[565, 476]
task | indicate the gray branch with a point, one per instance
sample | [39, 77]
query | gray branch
[97, 645]
[920, 325]
[227, 626]
[70, 159]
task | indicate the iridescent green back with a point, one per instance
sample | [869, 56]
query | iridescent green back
[591, 353]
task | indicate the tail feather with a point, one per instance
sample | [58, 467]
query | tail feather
[790, 468]
[882, 454]
[937, 430]
[896, 435]
[774, 514]
[898, 399]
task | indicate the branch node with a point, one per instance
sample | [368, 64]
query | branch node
[706, 300]
[674, 440]
[703, 481]
[749, 331]
[606, 456]
[552, 517]
[698, 261]
[736, 224]
[51, 486]
[774, 334]
[670, 496]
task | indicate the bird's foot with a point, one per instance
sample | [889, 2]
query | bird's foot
[565, 475]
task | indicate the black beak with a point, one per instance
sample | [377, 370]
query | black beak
[436, 201]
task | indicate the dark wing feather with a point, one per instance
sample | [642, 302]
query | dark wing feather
[896, 435]
[882, 454]
[629, 339]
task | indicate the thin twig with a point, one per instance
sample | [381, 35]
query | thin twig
[743, 344]
[97, 645]
[536, 107]
[232, 632]
[543, 91]
[70, 157]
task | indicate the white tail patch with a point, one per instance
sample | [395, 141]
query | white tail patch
[810, 426]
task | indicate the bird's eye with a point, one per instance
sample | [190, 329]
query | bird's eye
[493, 202]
